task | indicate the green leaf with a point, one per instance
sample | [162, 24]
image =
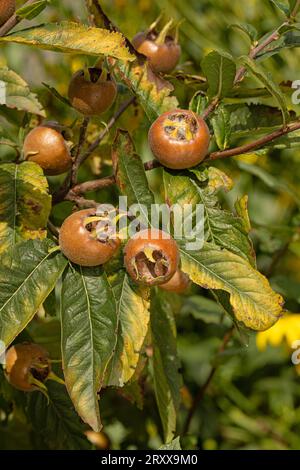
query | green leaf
[198, 103]
[15, 93]
[29, 12]
[289, 40]
[220, 71]
[173, 445]
[56, 421]
[254, 116]
[273, 182]
[166, 377]
[273, 89]
[255, 305]
[69, 37]
[130, 174]
[282, 6]
[28, 273]
[292, 4]
[222, 127]
[89, 334]
[221, 227]
[152, 91]
[25, 203]
[133, 313]
[248, 29]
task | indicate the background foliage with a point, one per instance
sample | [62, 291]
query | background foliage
[253, 400]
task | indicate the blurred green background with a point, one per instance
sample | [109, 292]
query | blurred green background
[254, 399]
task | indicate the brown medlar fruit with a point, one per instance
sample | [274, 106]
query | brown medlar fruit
[47, 147]
[80, 245]
[150, 258]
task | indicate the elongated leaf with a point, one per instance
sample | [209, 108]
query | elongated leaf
[274, 89]
[254, 303]
[130, 174]
[56, 421]
[15, 93]
[73, 37]
[220, 226]
[28, 273]
[220, 72]
[89, 334]
[248, 29]
[25, 203]
[202, 308]
[29, 12]
[198, 103]
[166, 377]
[222, 127]
[282, 6]
[133, 312]
[153, 92]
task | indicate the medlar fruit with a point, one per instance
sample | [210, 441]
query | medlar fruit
[7, 9]
[94, 96]
[27, 364]
[151, 257]
[80, 245]
[179, 139]
[179, 283]
[163, 52]
[47, 147]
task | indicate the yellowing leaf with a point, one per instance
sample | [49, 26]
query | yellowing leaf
[25, 203]
[73, 37]
[254, 303]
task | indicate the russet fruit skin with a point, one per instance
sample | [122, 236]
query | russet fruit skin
[7, 9]
[151, 259]
[91, 98]
[22, 362]
[47, 147]
[179, 283]
[179, 139]
[162, 57]
[78, 244]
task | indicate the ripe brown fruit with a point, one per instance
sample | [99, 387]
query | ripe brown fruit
[151, 259]
[25, 362]
[80, 246]
[7, 9]
[163, 57]
[47, 147]
[92, 97]
[179, 139]
[179, 283]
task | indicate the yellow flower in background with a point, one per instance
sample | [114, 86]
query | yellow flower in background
[286, 330]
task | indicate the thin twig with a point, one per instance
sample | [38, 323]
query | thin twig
[206, 384]
[295, 10]
[105, 131]
[81, 140]
[12, 21]
[61, 193]
[255, 144]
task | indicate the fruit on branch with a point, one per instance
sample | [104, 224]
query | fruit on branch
[179, 139]
[161, 49]
[26, 366]
[151, 257]
[47, 147]
[93, 92]
[179, 283]
[80, 243]
[7, 9]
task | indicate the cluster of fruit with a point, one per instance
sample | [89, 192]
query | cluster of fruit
[179, 139]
